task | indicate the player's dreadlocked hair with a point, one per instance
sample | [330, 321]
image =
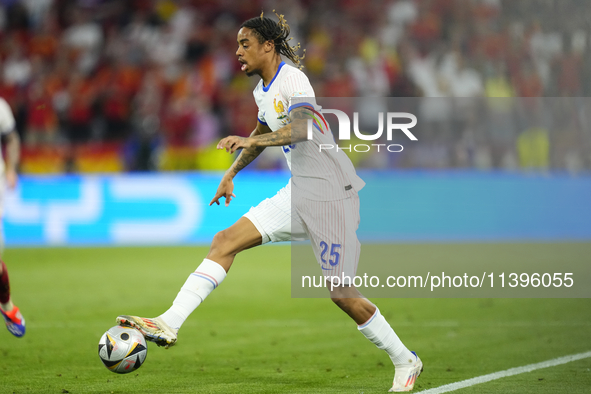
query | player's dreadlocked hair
[267, 29]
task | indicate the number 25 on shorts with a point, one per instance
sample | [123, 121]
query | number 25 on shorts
[334, 255]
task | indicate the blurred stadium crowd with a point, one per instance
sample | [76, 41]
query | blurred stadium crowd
[136, 85]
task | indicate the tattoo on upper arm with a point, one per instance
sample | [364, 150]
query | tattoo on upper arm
[299, 118]
[299, 113]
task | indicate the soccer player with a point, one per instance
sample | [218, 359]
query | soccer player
[319, 203]
[12, 316]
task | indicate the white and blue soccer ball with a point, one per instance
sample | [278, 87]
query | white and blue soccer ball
[122, 349]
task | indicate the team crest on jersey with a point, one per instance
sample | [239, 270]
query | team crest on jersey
[280, 109]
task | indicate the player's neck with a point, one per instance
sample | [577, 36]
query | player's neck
[269, 72]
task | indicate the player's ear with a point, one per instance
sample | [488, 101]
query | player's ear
[269, 46]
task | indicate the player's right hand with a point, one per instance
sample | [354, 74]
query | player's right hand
[225, 189]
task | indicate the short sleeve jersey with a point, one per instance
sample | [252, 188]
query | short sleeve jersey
[322, 175]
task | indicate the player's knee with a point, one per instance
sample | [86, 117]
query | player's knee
[220, 244]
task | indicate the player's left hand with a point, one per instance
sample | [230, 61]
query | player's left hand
[232, 143]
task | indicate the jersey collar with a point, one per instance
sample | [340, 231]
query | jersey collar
[266, 88]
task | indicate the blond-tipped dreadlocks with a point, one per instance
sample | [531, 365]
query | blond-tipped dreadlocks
[267, 29]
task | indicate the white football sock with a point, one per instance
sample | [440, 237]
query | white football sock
[379, 332]
[199, 284]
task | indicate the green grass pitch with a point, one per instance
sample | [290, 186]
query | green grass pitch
[250, 336]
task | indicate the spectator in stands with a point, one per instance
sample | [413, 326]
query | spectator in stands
[89, 60]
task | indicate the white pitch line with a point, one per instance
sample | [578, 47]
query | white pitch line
[503, 374]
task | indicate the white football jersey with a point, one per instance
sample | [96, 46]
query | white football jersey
[7, 124]
[318, 175]
[273, 100]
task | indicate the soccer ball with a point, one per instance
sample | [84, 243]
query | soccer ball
[122, 349]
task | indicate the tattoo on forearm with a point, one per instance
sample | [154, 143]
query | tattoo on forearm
[289, 134]
[278, 138]
[245, 158]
